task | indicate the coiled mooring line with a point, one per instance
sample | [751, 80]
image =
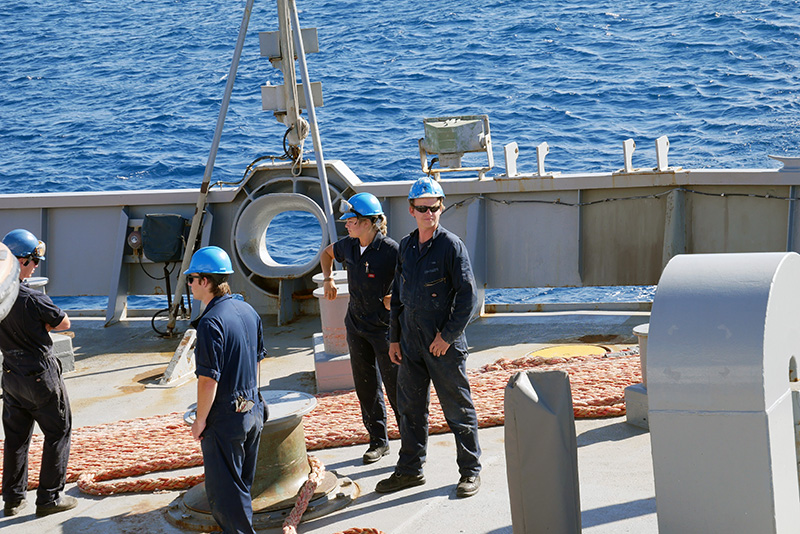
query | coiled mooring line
[103, 458]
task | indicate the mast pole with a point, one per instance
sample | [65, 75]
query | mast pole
[312, 119]
[202, 197]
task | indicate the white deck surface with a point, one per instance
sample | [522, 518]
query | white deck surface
[615, 467]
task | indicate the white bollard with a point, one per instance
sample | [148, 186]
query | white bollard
[340, 277]
[331, 315]
[636, 394]
[723, 338]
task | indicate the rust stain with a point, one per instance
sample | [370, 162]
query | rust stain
[142, 379]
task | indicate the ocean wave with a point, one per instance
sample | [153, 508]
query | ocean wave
[126, 95]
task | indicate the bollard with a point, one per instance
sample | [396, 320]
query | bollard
[541, 454]
[636, 394]
[331, 352]
[722, 344]
[339, 277]
[331, 315]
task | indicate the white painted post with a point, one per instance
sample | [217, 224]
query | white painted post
[636, 394]
[722, 338]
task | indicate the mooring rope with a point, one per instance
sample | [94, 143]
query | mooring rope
[103, 456]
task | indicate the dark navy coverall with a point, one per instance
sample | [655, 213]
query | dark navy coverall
[229, 346]
[434, 291]
[369, 278]
[33, 390]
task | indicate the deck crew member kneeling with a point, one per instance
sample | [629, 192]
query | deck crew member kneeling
[230, 414]
[33, 389]
[433, 299]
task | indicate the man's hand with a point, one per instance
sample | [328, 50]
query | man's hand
[394, 353]
[197, 429]
[439, 345]
[330, 289]
[387, 302]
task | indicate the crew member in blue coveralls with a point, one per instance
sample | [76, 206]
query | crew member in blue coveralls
[370, 258]
[33, 389]
[433, 299]
[230, 414]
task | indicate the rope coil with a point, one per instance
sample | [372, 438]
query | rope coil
[164, 442]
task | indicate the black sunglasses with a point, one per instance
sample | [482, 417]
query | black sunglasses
[34, 260]
[432, 209]
[190, 278]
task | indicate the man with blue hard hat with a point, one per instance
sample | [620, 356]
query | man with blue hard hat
[230, 414]
[433, 298]
[370, 258]
[33, 389]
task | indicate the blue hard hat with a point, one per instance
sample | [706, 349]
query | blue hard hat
[425, 187]
[210, 260]
[24, 244]
[361, 205]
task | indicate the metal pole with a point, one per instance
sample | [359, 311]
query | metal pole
[201, 199]
[312, 119]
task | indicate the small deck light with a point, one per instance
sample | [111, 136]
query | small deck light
[450, 138]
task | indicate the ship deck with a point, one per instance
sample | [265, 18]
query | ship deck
[115, 365]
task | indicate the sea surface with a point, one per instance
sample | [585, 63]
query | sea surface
[104, 95]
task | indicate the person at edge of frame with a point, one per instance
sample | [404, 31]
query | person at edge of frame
[33, 389]
[370, 258]
[433, 298]
[230, 410]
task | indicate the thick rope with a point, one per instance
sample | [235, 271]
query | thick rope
[138, 447]
[304, 497]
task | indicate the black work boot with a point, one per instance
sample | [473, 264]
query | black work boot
[62, 504]
[14, 507]
[468, 486]
[396, 482]
[375, 453]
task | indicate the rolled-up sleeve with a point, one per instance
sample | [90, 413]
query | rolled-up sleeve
[209, 350]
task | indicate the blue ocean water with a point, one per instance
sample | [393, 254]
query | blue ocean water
[101, 95]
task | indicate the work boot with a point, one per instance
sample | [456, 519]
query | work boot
[62, 504]
[396, 482]
[14, 507]
[468, 486]
[375, 453]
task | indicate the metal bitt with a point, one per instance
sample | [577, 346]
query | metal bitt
[282, 470]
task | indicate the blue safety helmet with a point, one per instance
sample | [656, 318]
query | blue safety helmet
[210, 260]
[361, 205]
[24, 244]
[425, 187]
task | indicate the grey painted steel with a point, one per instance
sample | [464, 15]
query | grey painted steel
[44, 236]
[526, 231]
[721, 345]
[475, 241]
[118, 291]
[674, 226]
[249, 234]
[542, 454]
